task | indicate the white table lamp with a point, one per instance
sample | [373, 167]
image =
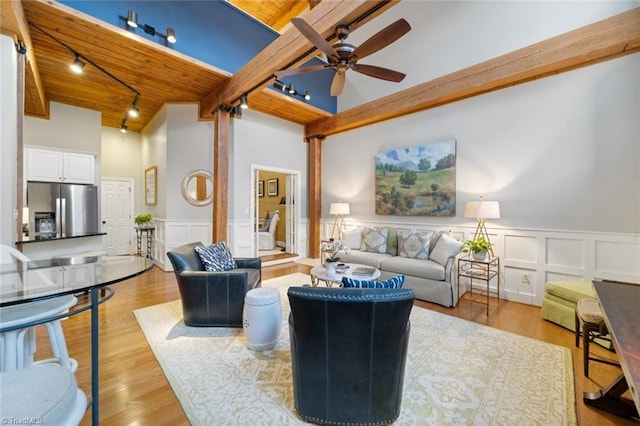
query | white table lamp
[339, 210]
[482, 210]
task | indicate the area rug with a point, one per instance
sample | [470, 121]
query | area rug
[458, 372]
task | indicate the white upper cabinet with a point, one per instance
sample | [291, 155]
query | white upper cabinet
[46, 165]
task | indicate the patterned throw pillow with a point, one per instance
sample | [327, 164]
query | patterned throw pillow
[374, 240]
[414, 244]
[445, 248]
[216, 257]
[393, 282]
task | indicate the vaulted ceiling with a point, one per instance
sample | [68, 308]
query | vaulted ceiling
[162, 75]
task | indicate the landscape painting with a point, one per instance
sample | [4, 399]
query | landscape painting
[417, 181]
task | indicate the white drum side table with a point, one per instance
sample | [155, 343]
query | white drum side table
[262, 318]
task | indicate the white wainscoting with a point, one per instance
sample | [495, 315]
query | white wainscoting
[529, 258]
[172, 233]
[241, 235]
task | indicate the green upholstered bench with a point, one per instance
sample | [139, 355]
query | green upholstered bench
[560, 298]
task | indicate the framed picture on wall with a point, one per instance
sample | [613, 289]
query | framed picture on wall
[150, 190]
[261, 188]
[272, 187]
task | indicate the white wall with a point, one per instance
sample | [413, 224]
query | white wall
[154, 153]
[446, 36]
[267, 142]
[560, 154]
[8, 140]
[189, 148]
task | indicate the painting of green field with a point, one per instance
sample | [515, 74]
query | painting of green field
[417, 181]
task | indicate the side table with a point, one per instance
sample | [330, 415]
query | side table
[483, 270]
[148, 236]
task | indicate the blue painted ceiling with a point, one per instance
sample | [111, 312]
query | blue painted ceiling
[212, 31]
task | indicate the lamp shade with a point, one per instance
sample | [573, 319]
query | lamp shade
[482, 209]
[339, 209]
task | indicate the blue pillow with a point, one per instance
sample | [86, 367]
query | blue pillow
[216, 257]
[393, 282]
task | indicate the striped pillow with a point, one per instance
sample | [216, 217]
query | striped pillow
[393, 282]
[216, 257]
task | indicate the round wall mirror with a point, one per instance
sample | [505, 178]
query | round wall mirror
[197, 187]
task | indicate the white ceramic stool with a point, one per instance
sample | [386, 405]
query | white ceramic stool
[262, 318]
[48, 394]
[18, 345]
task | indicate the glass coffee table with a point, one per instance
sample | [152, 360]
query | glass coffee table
[351, 270]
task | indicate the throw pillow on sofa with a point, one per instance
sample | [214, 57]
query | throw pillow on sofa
[374, 240]
[414, 244]
[352, 239]
[445, 248]
[393, 282]
[216, 257]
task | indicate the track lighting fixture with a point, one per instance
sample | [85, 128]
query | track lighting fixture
[132, 18]
[132, 22]
[243, 102]
[77, 65]
[279, 85]
[291, 90]
[133, 110]
[171, 35]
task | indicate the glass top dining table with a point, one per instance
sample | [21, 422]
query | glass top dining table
[24, 282]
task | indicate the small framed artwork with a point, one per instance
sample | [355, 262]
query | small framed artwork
[272, 187]
[261, 188]
[150, 190]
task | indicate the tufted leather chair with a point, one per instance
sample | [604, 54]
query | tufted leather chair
[348, 352]
[212, 299]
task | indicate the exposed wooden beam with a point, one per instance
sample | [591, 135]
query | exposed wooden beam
[291, 48]
[221, 175]
[604, 40]
[315, 195]
[14, 24]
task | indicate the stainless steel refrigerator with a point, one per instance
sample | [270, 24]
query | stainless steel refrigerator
[60, 210]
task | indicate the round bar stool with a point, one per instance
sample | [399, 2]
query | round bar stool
[18, 345]
[590, 324]
[46, 393]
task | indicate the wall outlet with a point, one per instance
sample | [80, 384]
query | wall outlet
[525, 278]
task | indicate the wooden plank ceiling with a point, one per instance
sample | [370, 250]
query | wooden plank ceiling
[159, 74]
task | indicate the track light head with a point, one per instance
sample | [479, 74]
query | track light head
[307, 95]
[171, 35]
[279, 85]
[243, 102]
[123, 128]
[133, 111]
[291, 90]
[77, 65]
[132, 18]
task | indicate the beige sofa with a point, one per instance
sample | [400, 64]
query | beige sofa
[426, 259]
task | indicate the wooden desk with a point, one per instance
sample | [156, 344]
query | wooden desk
[620, 304]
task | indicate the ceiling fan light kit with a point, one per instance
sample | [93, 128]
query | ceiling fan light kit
[343, 56]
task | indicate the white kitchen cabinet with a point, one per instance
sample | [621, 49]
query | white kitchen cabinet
[47, 165]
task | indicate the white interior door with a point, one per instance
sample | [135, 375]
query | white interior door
[290, 230]
[117, 222]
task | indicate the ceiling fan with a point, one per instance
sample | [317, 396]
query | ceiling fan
[343, 56]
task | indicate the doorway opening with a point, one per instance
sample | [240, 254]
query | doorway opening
[274, 213]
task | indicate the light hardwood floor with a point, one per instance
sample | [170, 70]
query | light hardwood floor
[134, 390]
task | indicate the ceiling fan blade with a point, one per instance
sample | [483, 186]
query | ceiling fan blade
[378, 72]
[381, 39]
[337, 84]
[301, 70]
[315, 38]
